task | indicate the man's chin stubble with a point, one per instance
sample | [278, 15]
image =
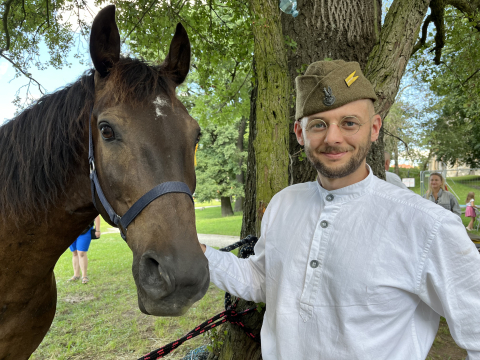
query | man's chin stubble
[343, 171]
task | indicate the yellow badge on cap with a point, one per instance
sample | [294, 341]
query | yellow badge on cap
[350, 79]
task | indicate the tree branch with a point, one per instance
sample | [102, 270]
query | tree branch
[438, 10]
[139, 21]
[24, 73]
[238, 90]
[467, 79]
[423, 39]
[7, 5]
[48, 17]
[396, 137]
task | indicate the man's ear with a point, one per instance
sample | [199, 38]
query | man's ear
[297, 127]
[375, 126]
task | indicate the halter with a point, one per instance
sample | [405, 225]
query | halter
[122, 222]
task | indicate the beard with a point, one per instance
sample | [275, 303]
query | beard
[333, 172]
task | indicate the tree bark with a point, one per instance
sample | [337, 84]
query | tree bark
[226, 205]
[249, 205]
[240, 177]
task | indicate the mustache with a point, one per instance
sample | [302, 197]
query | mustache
[334, 149]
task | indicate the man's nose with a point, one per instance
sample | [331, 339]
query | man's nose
[334, 135]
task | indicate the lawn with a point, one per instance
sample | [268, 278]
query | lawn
[210, 221]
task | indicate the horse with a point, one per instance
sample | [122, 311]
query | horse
[142, 137]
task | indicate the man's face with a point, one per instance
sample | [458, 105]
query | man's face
[336, 153]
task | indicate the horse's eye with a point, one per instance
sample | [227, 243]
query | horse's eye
[107, 132]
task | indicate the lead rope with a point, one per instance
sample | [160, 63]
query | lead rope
[229, 314]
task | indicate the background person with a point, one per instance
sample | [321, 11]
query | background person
[470, 210]
[79, 250]
[436, 192]
[350, 266]
[390, 177]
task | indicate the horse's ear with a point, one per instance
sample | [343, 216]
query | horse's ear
[104, 41]
[177, 63]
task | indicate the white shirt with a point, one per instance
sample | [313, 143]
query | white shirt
[388, 263]
[394, 179]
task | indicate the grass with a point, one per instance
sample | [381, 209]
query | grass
[210, 221]
[461, 185]
[208, 203]
[102, 320]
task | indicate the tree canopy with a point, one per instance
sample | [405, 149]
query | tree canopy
[453, 117]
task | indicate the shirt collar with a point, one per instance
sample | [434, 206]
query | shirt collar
[346, 193]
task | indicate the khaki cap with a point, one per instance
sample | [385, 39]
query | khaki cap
[328, 85]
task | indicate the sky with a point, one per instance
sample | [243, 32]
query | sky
[51, 79]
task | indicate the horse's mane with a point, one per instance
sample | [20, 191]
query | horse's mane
[43, 147]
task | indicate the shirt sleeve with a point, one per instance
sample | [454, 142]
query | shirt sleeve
[244, 278]
[455, 206]
[450, 281]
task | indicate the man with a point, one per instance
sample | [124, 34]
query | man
[350, 266]
[390, 177]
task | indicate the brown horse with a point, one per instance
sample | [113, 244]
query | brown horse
[142, 136]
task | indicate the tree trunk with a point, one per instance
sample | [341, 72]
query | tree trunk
[337, 29]
[226, 206]
[249, 205]
[395, 158]
[272, 108]
[239, 177]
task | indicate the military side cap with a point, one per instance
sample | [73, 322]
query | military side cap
[328, 85]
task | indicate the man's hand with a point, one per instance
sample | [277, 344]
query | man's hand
[204, 248]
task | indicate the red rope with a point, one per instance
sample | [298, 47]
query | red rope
[228, 315]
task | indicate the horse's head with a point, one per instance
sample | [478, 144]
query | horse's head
[143, 136]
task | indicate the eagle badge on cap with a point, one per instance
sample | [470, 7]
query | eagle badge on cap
[351, 79]
[329, 99]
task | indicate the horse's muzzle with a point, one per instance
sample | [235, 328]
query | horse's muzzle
[168, 288]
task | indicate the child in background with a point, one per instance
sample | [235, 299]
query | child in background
[470, 211]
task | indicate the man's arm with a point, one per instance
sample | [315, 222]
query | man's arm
[244, 278]
[450, 282]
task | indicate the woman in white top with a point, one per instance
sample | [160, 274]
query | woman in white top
[470, 211]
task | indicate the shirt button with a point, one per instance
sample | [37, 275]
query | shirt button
[329, 197]
[324, 224]
[314, 264]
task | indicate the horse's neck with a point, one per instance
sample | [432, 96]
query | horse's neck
[40, 244]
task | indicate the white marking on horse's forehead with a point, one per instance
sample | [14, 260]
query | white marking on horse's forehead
[159, 103]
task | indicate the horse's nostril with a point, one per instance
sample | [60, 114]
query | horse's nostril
[154, 279]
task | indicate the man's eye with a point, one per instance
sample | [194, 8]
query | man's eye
[107, 132]
[317, 125]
